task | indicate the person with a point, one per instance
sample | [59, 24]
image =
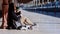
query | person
[24, 21]
[11, 16]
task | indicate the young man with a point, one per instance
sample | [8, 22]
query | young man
[25, 22]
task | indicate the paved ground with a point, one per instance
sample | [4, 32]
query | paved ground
[45, 24]
[18, 32]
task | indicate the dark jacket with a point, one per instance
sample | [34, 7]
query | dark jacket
[11, 15]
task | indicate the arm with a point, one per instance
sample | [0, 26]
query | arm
[14, 16]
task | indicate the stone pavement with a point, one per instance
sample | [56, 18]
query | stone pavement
[4, 31]
[45, 24]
